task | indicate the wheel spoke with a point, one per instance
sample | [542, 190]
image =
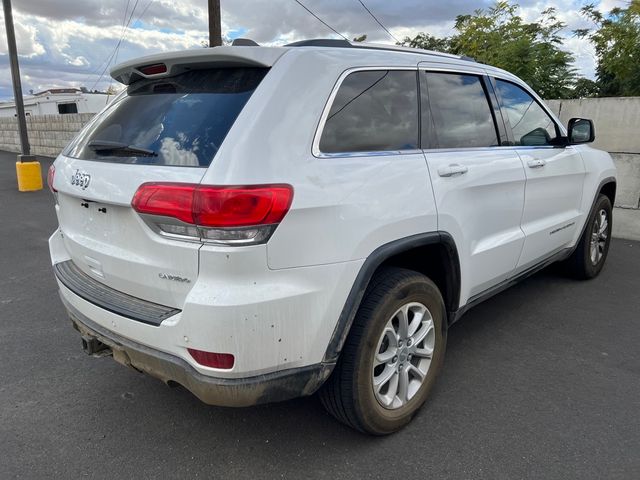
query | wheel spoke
[381, 380]
[602, 221]
[423, 352]
[403, 321]
[391, 381]
[421, 334]
[403, 385]
[385, 356]
[416, 372]
[416, 321]
[391, 349]
[603, 227]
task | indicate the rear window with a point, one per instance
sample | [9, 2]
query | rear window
[180, 121]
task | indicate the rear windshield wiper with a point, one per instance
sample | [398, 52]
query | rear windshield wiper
[106, 147]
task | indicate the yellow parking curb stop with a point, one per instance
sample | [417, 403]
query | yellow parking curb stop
[29, 176]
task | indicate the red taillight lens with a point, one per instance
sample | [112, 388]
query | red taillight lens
[50, 177]
[153, 69]
[213, 360]
[244, 214]
[241, 206]
[166, 199]
[215, 206]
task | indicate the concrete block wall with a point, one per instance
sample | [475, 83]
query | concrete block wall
[617, 122]
[48, 134]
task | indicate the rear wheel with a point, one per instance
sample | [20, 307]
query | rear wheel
[592, 249]
[392, 356]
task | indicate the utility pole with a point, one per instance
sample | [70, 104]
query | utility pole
[27, 168]
[15, 76]
[215, 29]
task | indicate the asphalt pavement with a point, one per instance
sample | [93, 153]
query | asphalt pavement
[541, 381]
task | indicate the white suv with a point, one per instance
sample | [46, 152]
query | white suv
[259, 223]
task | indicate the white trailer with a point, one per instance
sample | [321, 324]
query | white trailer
[59, 101]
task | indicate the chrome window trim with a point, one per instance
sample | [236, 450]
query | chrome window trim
[497, 147]
[315, 148]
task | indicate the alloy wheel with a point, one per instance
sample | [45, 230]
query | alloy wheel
[403, 355]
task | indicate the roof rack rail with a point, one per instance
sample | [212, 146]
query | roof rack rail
[340, 43]
[322, 42]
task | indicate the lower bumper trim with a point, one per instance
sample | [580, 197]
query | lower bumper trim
[227, 392]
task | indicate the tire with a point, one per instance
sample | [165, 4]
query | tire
[349, 395]
[583, 262]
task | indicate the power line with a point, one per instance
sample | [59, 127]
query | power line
[124, 24]
[126, 10]
[114, 54]
[124, 32]
[378, 21]
[321, 21]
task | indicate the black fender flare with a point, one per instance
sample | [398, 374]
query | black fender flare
[371, 264]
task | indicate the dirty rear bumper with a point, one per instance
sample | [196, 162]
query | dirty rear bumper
[228, 392]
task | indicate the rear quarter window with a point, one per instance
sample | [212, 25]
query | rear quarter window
[373, 111]
[180, 120]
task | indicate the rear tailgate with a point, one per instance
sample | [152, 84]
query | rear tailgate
[109, 241]
[164, 129]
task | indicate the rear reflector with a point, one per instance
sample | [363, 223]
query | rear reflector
[153, 69]
[211, 359]
[243, 214]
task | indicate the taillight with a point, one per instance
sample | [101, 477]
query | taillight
[50, 177]
[211, 359]
[227, 215]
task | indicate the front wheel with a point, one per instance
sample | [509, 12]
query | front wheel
[591, 252]
[392, 356]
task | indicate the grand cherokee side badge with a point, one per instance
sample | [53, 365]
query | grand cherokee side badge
[80, 179]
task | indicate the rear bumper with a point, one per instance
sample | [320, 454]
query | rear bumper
[270, 320]
[228, 392]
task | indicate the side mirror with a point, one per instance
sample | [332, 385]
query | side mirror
[581, 130]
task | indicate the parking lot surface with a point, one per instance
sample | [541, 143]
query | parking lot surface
[541, 381]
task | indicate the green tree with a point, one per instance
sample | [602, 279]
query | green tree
[428, 42]
[585, 88]
[361, 38]
[532, 51]
[498, 36]
[616, 39]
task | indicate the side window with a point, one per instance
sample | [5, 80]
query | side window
[456, 112]
[531, 125]
[67, 108]
[373, 111]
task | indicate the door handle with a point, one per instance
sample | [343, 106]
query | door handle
[452, 170]
[536, 163]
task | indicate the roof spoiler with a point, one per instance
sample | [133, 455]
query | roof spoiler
[173, 63]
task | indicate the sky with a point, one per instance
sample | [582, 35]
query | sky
[64, 43]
